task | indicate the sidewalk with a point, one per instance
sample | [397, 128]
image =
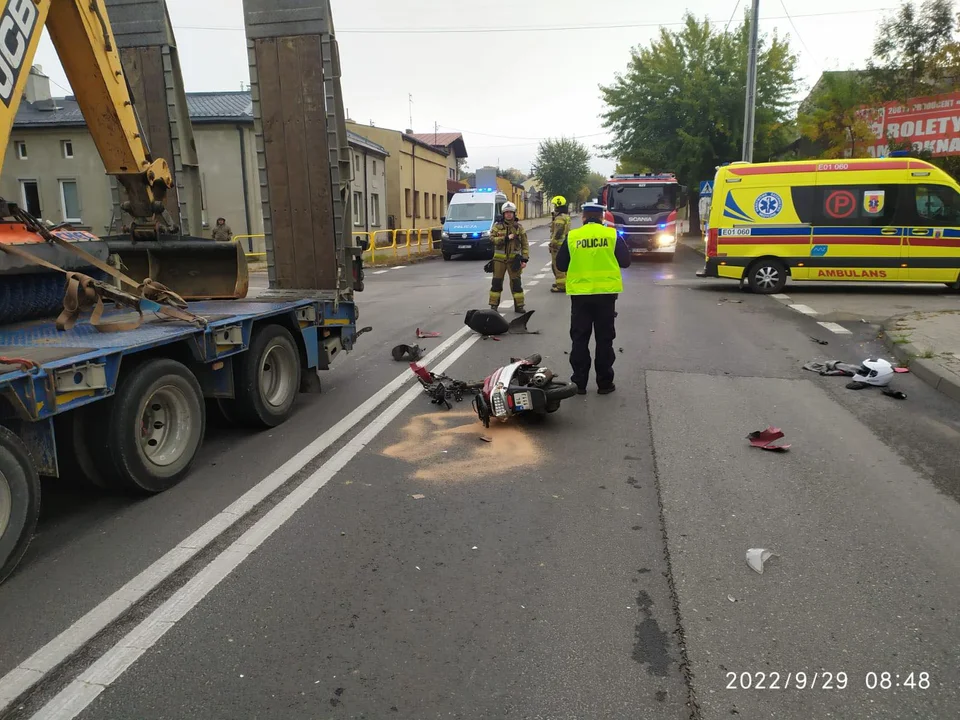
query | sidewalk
[403, 255]
[930, 343]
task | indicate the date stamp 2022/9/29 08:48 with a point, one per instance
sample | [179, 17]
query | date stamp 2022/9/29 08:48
[826, 680]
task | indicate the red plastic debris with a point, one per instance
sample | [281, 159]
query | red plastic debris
[764, 439]
[901, 370]
[421, 372]
[425, 334]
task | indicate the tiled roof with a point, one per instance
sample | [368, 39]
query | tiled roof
[453, 141]
[204, 107]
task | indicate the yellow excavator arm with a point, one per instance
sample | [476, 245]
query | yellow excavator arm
[84, 41]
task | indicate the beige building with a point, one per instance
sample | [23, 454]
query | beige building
[416, 176]
[457, 152]
[53, 169]
[369, 184]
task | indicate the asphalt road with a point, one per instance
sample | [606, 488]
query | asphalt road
[588, 567]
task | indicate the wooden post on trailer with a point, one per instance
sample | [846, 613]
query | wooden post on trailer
[148, 52]
[302, 151]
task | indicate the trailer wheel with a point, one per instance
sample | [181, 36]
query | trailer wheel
[75, 432]
[155, 426]
[267, 378]
[19, 501]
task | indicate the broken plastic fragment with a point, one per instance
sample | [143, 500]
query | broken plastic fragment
[763, 439]
[756, 557]
[901, 370]
[486, 439]
[426, 334]
[418, 496]
[731, 598]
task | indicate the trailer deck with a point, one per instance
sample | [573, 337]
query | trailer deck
[74, 367]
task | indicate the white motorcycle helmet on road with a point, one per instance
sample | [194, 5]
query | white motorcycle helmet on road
[877, 372]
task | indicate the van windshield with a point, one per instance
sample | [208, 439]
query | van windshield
[652, 198]
[467, 212]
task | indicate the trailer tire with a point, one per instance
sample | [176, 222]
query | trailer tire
[19, 501]
[74, 432]
[155, 426]
[267, 378]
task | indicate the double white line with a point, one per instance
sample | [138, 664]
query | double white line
[82, 691]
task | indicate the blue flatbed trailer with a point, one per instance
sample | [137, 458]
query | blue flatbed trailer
[121, 408]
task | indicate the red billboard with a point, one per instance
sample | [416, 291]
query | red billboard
[929, 123]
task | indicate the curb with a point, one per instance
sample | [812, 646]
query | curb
[938, 377]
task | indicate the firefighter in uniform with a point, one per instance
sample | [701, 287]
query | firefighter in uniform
[559, 228]
[592, 258]
[511, 253]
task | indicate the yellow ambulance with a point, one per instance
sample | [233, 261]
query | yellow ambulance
[894, 219]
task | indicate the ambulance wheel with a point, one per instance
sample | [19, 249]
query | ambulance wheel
[767, 276]
[955, 285]
[19, 501]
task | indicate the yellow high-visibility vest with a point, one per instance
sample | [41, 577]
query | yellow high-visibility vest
[594, 269]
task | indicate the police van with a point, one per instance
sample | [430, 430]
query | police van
[470, 217]
[894, 219]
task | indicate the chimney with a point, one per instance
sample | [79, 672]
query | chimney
[38, 85]
[409, 132]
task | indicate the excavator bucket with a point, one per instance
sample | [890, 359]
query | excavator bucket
[194, 268]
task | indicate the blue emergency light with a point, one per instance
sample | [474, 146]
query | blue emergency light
[663, 226]
[476, 235]
[899, 153]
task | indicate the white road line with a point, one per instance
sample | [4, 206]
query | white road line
[546, 244]
[805, 309]
[398, 267]
[533, 283]
[34, 668]
[380, 272]
[541, 276]
[74, 698]
[834, 328]
[781, 297]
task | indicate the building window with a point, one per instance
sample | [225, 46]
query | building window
[453, 174]
[66, 146]
[416, 203]
[358, 208]
[22, 150]
[356, 161]
[70, 201]
[30, 197]
[407, 206]
[375, 210]
[434, 206]
[374, 167]
[442, 200]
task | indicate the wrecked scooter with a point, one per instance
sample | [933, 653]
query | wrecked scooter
[523, 386]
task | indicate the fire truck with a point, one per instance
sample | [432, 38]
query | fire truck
[643, 208]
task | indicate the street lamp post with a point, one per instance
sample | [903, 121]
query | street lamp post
[751, 101]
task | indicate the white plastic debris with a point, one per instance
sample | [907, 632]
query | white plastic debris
[756, 557]
[418, 496]
[731, 598]
[474, 547]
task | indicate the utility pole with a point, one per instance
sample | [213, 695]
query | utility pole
[751, 103]
[410, 103]
[436, 130]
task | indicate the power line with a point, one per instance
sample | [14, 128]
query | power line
[735, 7]
[514, 137]
[545, 28]
[799, 37]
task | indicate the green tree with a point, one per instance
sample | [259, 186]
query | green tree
[830, 119]
[679, 105]
[513, 175]
[914, 51]
[562, 166]
[594, 182]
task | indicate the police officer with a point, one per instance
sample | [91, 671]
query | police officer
[592, 258]
[559, 228]
[511, 253]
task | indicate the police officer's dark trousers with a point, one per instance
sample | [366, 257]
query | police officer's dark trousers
[593, 314]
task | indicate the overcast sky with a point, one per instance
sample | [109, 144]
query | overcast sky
[508, 87]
